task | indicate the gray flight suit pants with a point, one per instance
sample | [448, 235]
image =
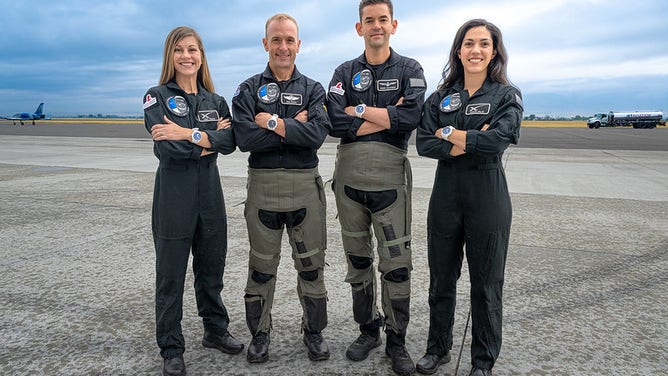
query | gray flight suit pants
[372, 186]
[294, 200]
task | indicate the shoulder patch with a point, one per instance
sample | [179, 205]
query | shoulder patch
[149, 101]
[417, 82]
[337, 89]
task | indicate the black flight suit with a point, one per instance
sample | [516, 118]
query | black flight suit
[469, 204]
[188, 212]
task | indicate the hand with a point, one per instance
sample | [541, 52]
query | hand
[485, 127]
[223, 124]
[262, 118]
[400, 101]
[169, 131]
[302, 116]
[350, 110]
[456, 151]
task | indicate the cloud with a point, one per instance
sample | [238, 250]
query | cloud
[83, 57]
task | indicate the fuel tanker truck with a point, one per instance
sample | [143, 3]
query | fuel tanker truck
[647, 119]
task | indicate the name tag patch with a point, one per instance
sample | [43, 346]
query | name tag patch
[478, 109]
[291, 99]
[387, 85]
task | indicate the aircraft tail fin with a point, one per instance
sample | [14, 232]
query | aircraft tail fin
[39, 110]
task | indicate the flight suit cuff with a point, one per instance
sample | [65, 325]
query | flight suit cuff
[196, 153]
[471, 141]
[394, 121]
[352, 132]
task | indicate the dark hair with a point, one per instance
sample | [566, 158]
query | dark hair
[366, 3]
[496, 70]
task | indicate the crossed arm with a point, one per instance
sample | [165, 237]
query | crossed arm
[174, 132]
[458, 140]
[261, 119]
[376, 119]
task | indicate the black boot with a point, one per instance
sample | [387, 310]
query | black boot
[225, 343]
[430, 362]
[258, 351]
[395, 348]
[174, 366]
[367, 341]
[402, 364]
[475, 371]
[316, 345]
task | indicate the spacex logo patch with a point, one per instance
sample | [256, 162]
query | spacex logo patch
[478, 109]
[207, 115]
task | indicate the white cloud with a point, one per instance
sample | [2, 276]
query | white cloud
[562, 47]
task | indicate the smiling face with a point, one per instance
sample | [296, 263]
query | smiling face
[282, 43]
[477, 51]
[187, 57]
[376, 26]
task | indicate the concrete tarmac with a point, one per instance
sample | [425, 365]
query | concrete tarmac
[585, 292]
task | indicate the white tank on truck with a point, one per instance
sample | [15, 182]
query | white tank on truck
[638, 119]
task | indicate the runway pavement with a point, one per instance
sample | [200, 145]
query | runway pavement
[585, 292]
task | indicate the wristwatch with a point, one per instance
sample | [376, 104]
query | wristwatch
[272, 123]
[359, 110]
[196, 136]
[447, 131]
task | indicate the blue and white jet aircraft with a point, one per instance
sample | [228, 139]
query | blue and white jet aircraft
[27, 116]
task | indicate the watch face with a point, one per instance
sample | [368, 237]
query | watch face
[197, 136]
[271, 124]
[445, 132]
[359, 109]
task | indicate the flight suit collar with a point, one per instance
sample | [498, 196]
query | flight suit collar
[485, 88]
[393, 59]
[269, 75]
[173, 85]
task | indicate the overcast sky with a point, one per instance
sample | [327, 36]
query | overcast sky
[569, 57]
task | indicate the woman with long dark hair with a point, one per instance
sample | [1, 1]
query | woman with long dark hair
[467, 124]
